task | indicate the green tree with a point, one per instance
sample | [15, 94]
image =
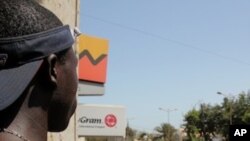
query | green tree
[212, 120]
[192, 121]
[167, 132]
[199, 124]
[130, 134]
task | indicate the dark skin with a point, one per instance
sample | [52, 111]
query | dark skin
[48, 103]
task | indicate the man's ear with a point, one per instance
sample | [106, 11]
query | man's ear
[51, 70]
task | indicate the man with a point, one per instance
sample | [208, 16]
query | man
[38, 79]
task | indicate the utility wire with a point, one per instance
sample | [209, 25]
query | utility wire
[168, 39]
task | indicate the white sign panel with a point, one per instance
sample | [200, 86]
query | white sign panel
[101, 120]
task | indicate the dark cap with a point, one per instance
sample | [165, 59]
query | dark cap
[21, 58]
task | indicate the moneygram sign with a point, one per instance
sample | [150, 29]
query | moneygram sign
[101, 120]
[109, 120]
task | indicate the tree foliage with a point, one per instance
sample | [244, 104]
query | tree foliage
[213, 120]
[130, 134]
[167, 132]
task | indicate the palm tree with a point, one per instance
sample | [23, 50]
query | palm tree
[167, 132]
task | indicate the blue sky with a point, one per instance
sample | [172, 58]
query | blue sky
[170, 54]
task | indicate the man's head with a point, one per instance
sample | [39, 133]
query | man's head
[36, 61]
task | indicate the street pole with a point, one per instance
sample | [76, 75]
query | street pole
[168, 112]
[230, 98]
[203, 120]
[231, 111]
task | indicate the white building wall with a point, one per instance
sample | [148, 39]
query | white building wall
[67, 10]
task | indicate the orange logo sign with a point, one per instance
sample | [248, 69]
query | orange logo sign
[93, 54]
